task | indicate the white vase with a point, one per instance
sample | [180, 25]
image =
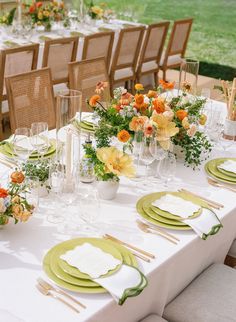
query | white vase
[230, 128]
[107, 190]
[179, 152]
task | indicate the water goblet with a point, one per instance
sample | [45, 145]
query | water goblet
[21, 144]
[168, 168]
[146, 156]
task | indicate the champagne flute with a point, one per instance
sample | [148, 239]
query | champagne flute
[56, 175]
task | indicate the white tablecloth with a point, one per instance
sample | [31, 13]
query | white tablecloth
[22, 248]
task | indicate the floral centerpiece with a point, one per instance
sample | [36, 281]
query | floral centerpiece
[7, 18]
[13, 204]
[100, 12]
[173, 120]
[44, 14]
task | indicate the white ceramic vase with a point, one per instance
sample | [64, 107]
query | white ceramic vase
[107, 190]
[230, 128]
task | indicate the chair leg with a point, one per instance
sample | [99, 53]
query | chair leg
[156, 79]
[164, 75]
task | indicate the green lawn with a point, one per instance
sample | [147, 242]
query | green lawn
[213, 37]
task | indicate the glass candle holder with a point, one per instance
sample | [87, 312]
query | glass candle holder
[188, 76]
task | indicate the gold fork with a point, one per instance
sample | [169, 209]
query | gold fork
[48, 293]
[49, 287]
[148, 229]
[220, 185]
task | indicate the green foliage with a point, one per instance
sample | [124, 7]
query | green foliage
[7, 18]
[39, 169]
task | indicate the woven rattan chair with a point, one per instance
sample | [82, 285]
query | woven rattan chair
[99, 45]
[177, 44]
[57, 54]
[151, 50]
[15, 61]
[31, 98]
[125, 58]
[85, 75]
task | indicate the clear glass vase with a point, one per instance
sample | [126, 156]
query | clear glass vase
[188, 76]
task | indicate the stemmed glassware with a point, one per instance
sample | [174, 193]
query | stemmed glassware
[56, 175]
[168, 168]
[158, 153]
[39, 137]
[146, 156]
[21, 144]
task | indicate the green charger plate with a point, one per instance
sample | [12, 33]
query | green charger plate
[156, 220]
[127, 257]
[229, 174]
[7, 150]
[155, 215]
[55, 268]
[212, 170]
[70, 244]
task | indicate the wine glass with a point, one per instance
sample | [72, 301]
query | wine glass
[56, 177]
[21, 144]
[146, 156]
[168, 168]
[39, 137]
[226, 141]
[158, 153]
[90, 209]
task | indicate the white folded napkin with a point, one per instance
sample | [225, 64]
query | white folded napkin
[204, 225]
[127, 280]
[228, 165]
[176, 206]
[90, 260]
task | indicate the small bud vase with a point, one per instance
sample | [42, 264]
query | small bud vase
[107, 190]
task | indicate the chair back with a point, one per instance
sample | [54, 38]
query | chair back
[178, 38]
[85, 75]
[128, 48]
[57, 54]
[153, 43]
[16, 61]
[99, 45]
[31, 99]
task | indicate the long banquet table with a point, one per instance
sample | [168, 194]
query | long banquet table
[23, 247]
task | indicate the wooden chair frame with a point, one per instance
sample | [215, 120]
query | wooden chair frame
[34, 48]
[155, 58]
[10, 79]
[58, 41]
[72, 84]
[169, 52]
[115, 66]
[87, 39]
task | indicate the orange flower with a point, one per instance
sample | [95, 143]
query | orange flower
[39, 4]
[167, 85]
[32, 8]
[139, 102]
[3, 193]
[158, 105]
[152, 94]
[148, 130]
[139, 87]
[123, 136]
[126, 99]
[100, 87]
[93, 100]
[17, 177]
[181, 114]
[186, 86]
[137, 123]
